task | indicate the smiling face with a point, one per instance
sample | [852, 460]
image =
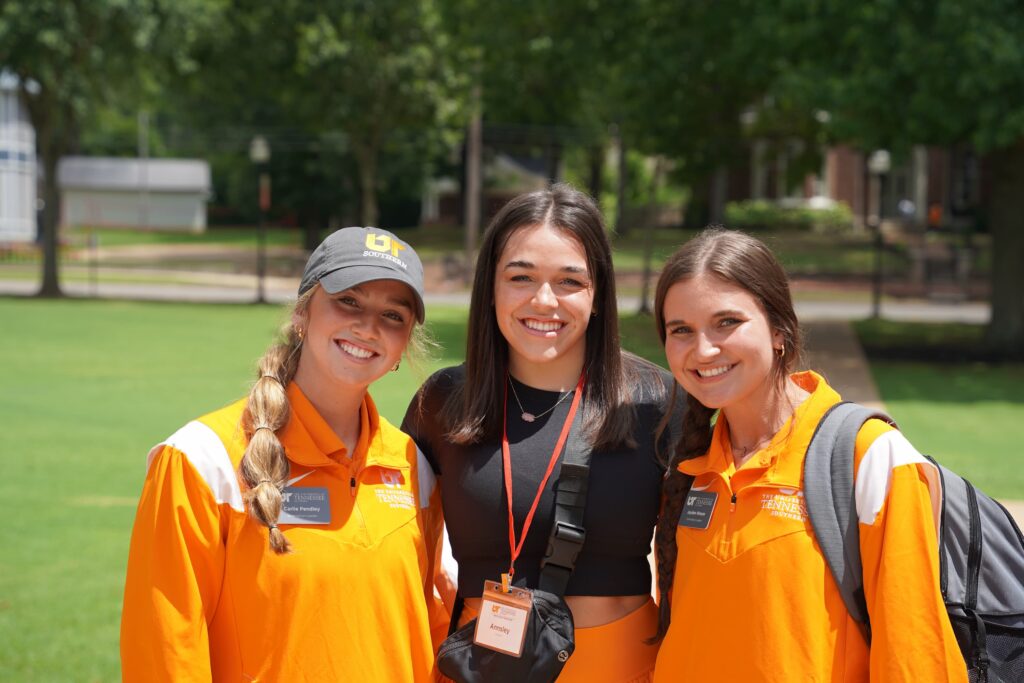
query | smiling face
[353, 337]
[718, 342]
[543, 300]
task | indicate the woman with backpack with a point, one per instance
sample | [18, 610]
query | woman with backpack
[291, 535]
[747, 594]
[543, 345]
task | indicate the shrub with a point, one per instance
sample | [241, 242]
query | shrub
[763, 214]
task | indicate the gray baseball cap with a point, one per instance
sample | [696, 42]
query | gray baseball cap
[352, 256]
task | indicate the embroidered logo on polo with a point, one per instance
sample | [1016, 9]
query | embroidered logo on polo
[785, 503]
[392, 493]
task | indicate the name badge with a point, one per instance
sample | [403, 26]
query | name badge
[501, 625]
[305, 505]
[698, 509]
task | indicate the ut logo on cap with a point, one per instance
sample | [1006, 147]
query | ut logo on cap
[383, 243]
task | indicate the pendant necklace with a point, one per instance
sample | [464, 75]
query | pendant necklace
[527, 416]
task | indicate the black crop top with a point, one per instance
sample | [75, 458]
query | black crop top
[622, 502]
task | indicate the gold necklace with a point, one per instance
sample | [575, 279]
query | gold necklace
[527, 416]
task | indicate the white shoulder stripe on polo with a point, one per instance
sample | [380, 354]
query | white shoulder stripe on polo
[206, 452]
[427, 481]
[874, 477]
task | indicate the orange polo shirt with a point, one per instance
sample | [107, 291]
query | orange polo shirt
[207, 600]
[753, 599]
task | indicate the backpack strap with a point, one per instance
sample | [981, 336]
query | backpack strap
[831, 503]
[567, 532]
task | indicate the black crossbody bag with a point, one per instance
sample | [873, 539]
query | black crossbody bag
[550, 638]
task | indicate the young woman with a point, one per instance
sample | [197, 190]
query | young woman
[289, 536]
[752, 598]
[542, 323]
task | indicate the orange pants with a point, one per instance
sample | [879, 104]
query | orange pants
[613, 653]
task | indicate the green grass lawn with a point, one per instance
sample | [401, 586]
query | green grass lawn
[87, 387]
[968, 415]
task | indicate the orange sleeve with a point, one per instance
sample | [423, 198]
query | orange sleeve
[912, 639]
[175, 569]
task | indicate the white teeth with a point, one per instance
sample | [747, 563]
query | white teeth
[355, 350]
[543, 327]
[715, 372]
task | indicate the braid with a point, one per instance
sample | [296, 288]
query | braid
[695, 441]
[264, 467]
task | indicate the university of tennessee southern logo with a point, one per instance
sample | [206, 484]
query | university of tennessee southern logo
[391, 478]
[786, 503]
[392, 493]
[383, 243]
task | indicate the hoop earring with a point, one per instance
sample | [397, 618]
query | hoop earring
[781, 351]
[397, 363]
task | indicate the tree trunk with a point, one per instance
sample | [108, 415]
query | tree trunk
[473, 186]
[366, 159]
[719, 191]
[1005, 333]
[649, 228]
[554, 161]
[595, 160]
[50, 219]
[623, 183]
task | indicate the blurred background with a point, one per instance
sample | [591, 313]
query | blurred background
[165, 168]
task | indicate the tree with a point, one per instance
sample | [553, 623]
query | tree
[937, 72]
[60, 52]
[373, 68]
[69, 58]
[340, 78]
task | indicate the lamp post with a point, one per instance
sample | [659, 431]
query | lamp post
[259, 155]
[879, 164]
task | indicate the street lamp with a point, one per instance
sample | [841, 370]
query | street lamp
[879, 164]
[259, 155]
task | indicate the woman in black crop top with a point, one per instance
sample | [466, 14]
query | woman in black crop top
[543, 314]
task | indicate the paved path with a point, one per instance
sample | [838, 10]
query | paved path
[229, 288]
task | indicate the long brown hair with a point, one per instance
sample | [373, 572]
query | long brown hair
[473, 411]
[746, 262]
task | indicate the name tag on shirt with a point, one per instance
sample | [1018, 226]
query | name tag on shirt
[305, 505]
[697, 511]
[501, 625]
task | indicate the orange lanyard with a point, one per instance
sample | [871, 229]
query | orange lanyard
[516, 548]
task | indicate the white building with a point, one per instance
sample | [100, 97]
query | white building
[156, 194]
[17, 165]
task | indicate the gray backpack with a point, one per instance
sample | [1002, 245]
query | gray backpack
[981, 550]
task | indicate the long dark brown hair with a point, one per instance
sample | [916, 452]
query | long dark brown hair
[746, 262]
[473, 412]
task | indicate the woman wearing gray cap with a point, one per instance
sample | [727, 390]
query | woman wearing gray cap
[291, 535]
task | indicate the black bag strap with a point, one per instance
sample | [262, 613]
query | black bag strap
[567, 532]
[831, 504]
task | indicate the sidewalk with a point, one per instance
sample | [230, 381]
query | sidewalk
[833, 350]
